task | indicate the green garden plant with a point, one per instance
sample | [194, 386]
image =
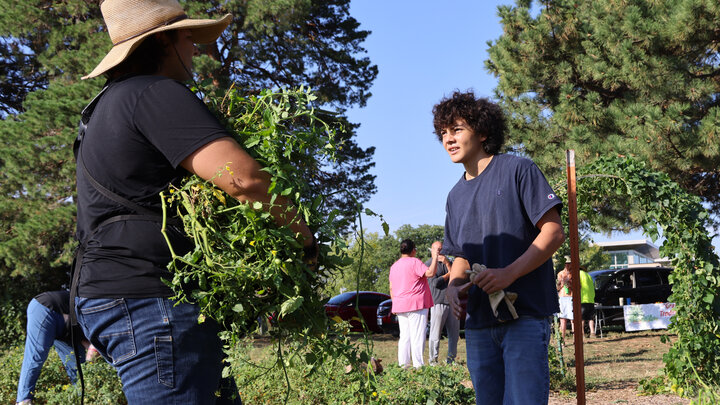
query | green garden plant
[102, 386]
[244, 267]
[692, 365]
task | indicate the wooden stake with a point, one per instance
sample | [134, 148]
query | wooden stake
[575, 271]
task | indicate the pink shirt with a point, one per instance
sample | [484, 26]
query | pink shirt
[409, 286]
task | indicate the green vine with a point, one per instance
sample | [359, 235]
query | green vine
[692, 365]
[244, 268]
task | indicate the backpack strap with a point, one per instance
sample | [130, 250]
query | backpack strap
[142, 213]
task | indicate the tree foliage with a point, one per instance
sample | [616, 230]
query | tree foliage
[46, 46]
[635, 78]
[379, 252]
[592, 257]
[423, 236]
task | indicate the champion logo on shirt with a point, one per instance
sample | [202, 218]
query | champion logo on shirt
[499, 192]
[551, 196]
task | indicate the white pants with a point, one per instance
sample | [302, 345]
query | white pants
[412, 337]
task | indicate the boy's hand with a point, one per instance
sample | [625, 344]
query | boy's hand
[453, 291]
[493, 280]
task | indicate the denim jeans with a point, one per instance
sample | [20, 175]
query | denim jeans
[44, 326]
[508, 363]
[159, 350]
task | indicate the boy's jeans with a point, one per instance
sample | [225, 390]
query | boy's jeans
[43, 326]
[508, 363]
[160, 351]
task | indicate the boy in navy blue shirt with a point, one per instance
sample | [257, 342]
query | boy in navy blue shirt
[503, 214]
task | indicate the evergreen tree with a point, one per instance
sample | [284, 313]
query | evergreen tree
[46, 46]
[634, 78]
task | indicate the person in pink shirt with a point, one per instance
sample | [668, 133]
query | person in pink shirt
[411, 299]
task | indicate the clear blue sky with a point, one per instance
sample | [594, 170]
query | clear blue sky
[424, 50]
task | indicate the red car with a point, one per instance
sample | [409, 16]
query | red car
[343, 306]
[387, 321]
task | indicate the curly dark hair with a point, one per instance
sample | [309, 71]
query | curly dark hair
[481, 114]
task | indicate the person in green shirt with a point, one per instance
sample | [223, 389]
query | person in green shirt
[587, 300]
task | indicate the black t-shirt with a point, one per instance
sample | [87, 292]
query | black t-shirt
[437, 283]
[142, 128]
[58, 301]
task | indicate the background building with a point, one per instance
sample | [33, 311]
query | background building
[633, 253]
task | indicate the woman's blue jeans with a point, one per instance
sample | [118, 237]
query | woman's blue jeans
[508, 363]
[160, 351]
[43, 328]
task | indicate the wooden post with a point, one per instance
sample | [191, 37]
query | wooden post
[575, 270]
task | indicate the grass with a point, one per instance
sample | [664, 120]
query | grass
[613, 367]
[617, 357]
[620, 357]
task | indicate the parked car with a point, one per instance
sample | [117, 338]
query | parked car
[638, 285]
[388, 322]
[343, 305]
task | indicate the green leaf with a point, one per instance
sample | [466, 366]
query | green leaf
[251, 142]
[290, 305]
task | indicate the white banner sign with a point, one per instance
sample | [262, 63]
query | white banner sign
[648, 316]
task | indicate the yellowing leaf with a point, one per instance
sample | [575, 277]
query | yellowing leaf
[219, 195]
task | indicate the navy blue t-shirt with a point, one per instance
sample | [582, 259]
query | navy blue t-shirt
[491, 220]
[142, 128]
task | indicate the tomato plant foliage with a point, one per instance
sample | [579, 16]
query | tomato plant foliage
[692, 365]
[245, 267]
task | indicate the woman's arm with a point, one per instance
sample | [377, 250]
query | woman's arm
[245, 180]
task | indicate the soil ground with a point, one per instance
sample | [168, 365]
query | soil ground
[615, 364]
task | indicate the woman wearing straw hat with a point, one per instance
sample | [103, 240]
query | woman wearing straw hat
[145, 131]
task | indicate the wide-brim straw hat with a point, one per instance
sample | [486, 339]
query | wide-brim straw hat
[129, 22]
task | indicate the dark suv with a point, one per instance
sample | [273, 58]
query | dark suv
[639, 285]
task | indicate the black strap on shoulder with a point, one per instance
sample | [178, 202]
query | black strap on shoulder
[85, 118]
[142, 213]
[77, 260]
[115, 196]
